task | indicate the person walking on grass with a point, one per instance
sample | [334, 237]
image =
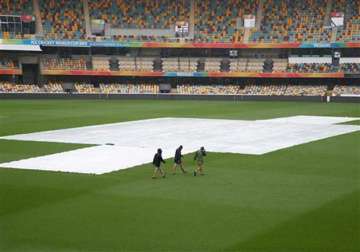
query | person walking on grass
[178, 160]
[157, 164]
[199, 158]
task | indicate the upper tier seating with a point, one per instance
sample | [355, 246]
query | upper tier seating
[351, 30]
[16, 7]
[216, 20]
[140, 14]
[62, 19]
[289, 21]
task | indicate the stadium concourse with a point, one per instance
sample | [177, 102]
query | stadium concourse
[125, 145]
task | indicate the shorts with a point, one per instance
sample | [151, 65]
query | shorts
[178, 162]
[200, 162]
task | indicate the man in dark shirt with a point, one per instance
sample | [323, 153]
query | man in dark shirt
[178, 160]
[157, 164]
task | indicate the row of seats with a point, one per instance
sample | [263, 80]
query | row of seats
[350, 67]
[142, 64]
[308, 90]
[140, 14]
[311, 68]
[16, 7]
[351, 30]
[344, 90]
[51, 63]
[148, 64]
[289, 21]
[129, 88]
[188, 89]
[62, 19]
[220, 20]
[16, 35]
[83, 88]
[53, 87]
[288, 90]
[208, 90]
[101, 63]
[8, 63]
[264, 90]
[8, 87]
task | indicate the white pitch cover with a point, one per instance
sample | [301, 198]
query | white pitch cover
[134, 143]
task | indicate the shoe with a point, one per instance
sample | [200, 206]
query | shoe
[153, 177]
[194, 173]
[164, 176]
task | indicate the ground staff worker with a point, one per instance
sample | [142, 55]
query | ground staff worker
[199, 158]
[178, 160]
[157, 164]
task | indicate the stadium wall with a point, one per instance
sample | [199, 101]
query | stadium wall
[177, 97]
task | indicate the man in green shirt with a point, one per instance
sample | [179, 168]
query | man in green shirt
[199, 158]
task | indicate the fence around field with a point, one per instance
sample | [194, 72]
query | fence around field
[178, 97]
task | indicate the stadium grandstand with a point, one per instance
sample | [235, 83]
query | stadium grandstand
[183, 47]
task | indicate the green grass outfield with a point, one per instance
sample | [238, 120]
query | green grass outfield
[301, 199]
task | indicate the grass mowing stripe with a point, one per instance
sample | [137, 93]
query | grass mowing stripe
[39, 115]
[12, 150]
[303, 198]
[356, 122]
